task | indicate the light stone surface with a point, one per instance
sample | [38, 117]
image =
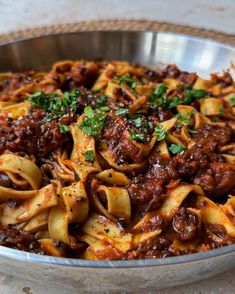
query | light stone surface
[209, 14]
[222, 284]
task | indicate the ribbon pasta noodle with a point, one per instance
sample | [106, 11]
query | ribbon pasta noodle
[108, 160]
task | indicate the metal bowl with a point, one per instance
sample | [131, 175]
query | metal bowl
[146, 48]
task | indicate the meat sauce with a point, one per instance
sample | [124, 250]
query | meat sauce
[203, 164]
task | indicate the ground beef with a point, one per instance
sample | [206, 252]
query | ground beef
[146, 194]
[215, 236]
[19, 239]
[83, 75]
[185, 223]
[220, 135]
[153, 75]
[123, 149]
[155, 247]
[171, 71]
[33, 136]
[154, 223]
[163, 114]
[201, 165]
[217, 179]
[187, 78]
[225, 79]
[16, 81]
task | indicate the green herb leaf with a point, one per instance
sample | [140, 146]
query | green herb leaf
[89, 112]
[221, 111]
[129, 80]
[197, 94]
[194, 94]
[185, 87]
[101, 101]
[231, 101]
[89, 155]
[160, 90]
[121, 111]
[136, 136]
[104, 109]
[94, 121]
[160, 133]
[158, 98]
[175, 101]
[64, 129]
[54, 103]
[176, 148]
[185, 119]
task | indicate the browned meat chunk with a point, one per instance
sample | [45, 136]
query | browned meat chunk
[19, 239]
[185, 223]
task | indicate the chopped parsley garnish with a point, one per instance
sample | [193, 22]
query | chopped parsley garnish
[93, 122]
[160, 133]
[136, 136]
[194, 94]
[160, 90]
[106, 230]
[128, 80]
[158, 98]
[102, 101]
[104, 109]
[184, 119]
[54, 103]
[185, 87]
[121, 111]
[64, 129]
[135, 119]
[231, 101]
[89, 155]
[175, 101]
[221, 111]
[176, 148]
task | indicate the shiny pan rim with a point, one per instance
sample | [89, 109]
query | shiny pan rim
[61, 261]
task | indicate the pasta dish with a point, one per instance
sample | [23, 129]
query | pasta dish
[112, 161]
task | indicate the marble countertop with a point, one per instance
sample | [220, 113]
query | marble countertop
[209, 14]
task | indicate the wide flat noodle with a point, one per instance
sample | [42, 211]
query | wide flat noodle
[23, 167]
[101, 227]
[44, 198]
[118, 201]
[212, 214]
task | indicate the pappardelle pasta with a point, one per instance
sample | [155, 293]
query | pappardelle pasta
[109, 160]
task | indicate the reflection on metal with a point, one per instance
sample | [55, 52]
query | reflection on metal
[146, 48]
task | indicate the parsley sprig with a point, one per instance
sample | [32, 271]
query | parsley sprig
[53, 103]
[160, 132]
[231, 101]
[176, 148]
[93, 122]
[64, 129]
[160, 99]
[137, 120]
[128, 80]
[90, 155]
[184, 119]
[122, 111]
[136, 136]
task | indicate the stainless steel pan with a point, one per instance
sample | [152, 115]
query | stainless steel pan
[147, 48]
